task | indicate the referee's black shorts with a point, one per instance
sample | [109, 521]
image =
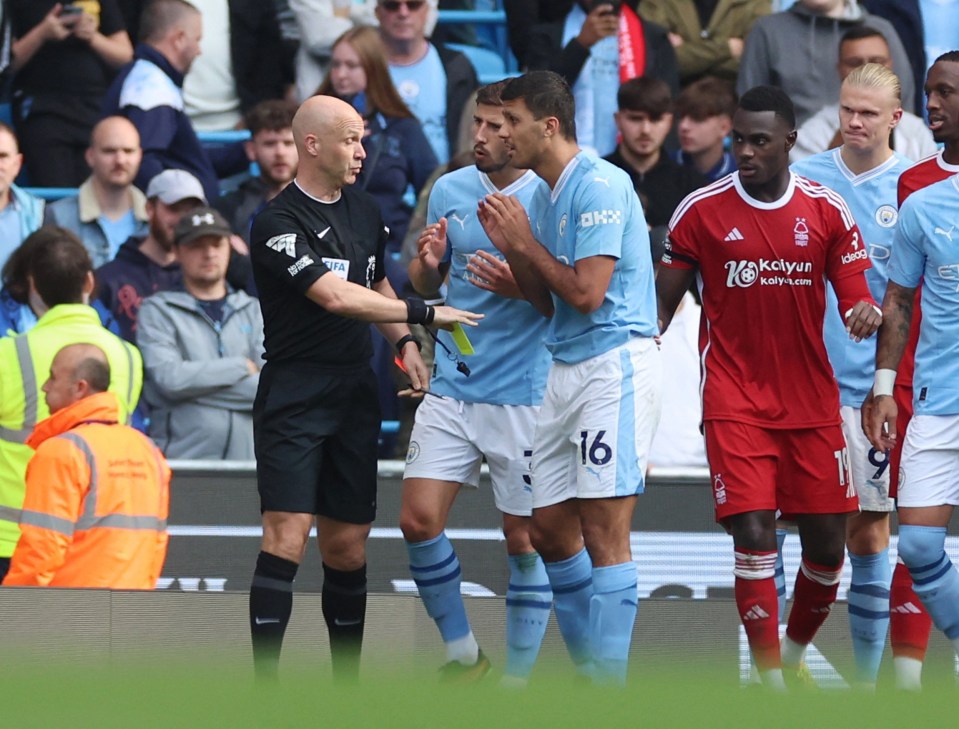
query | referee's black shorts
[315, 434]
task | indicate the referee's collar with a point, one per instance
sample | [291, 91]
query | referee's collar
[313, 197]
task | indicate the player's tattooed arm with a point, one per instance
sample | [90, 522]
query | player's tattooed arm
[671, 285]
[893, 335]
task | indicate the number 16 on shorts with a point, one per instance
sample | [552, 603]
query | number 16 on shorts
[596, 465]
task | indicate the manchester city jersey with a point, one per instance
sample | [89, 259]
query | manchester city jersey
[871, 196]
[510, 359]
[594, 211]
[926, 248]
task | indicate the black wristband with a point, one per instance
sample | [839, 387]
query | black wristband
[406, 339]
[416, 310]
[430, 314]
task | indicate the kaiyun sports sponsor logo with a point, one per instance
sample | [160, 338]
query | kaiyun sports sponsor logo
[777, 272]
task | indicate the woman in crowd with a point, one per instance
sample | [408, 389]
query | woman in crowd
[398, 155]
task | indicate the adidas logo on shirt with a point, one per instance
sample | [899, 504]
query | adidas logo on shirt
[734, 234]
[755, 613]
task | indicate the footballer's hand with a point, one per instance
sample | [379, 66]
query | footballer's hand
[862, 321]
[505, 221]
[431, 245]
[865, 412]
[446, 316]
[881, 429]
[493, 274]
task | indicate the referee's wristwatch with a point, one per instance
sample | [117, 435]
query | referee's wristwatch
[404, 340]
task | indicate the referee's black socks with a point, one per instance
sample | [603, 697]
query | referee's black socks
[271, 603]
[344, 609]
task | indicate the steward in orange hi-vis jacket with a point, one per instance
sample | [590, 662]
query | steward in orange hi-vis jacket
[97, 496]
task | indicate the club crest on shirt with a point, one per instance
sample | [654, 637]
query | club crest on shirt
[562, 225]
[801, 232]
[886, 216]
[370, 271]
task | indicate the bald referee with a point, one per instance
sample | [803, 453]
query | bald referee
[317, 254]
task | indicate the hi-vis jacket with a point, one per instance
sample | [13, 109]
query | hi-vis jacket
[24, 366]
[96, 505]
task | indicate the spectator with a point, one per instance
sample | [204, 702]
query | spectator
[61, 277]
[271, 147]
[644, 119]
[794, 49]
[915, 21]
[320, 23]
[202, 348]
[64, 57]
[19, 312]
[521, 15]
[107, 209]
[708, 35]
[144, 266]
[861, 45]
[398, 154]
[420, 69]
[20, 212]
[705, 113]
[244, 62]
[584, 48]
[149, 92]
[97, 491]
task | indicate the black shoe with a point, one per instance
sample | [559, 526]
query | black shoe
[456, 672]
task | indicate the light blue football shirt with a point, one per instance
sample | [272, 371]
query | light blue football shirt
[927, 248]
[594, 211]
[423, 87]
[510, 362]
[871, 197]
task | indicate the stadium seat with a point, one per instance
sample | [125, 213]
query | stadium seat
[489, 65]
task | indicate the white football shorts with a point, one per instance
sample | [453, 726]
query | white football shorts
[450, 438]
[930, 461]
[868, 467]
[596, 425]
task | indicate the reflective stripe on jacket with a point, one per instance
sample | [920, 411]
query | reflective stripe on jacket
[96, 504]
[24, 367]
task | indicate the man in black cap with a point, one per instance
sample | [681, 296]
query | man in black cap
[202, 349]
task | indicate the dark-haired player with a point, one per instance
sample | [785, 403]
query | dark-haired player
[587, 266]
[763, 242]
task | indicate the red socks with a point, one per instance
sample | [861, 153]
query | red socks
[758, 605]
[816, 588]
[909, 623]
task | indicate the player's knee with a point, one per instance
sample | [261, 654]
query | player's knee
[915, 549]
[418, 526]
[285, 539]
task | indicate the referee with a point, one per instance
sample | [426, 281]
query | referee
[317, 254]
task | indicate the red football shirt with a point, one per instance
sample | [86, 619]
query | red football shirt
[922, 174]
[762, 269]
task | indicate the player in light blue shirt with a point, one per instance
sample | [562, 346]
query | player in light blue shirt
[865, 172]
[585, 262]
[486, 409]
[926, 249]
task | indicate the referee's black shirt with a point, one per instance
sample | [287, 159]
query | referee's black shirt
[295, 240]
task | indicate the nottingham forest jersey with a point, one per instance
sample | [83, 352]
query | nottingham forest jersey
[762, 270]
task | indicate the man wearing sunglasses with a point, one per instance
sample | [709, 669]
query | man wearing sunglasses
[418, 67]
